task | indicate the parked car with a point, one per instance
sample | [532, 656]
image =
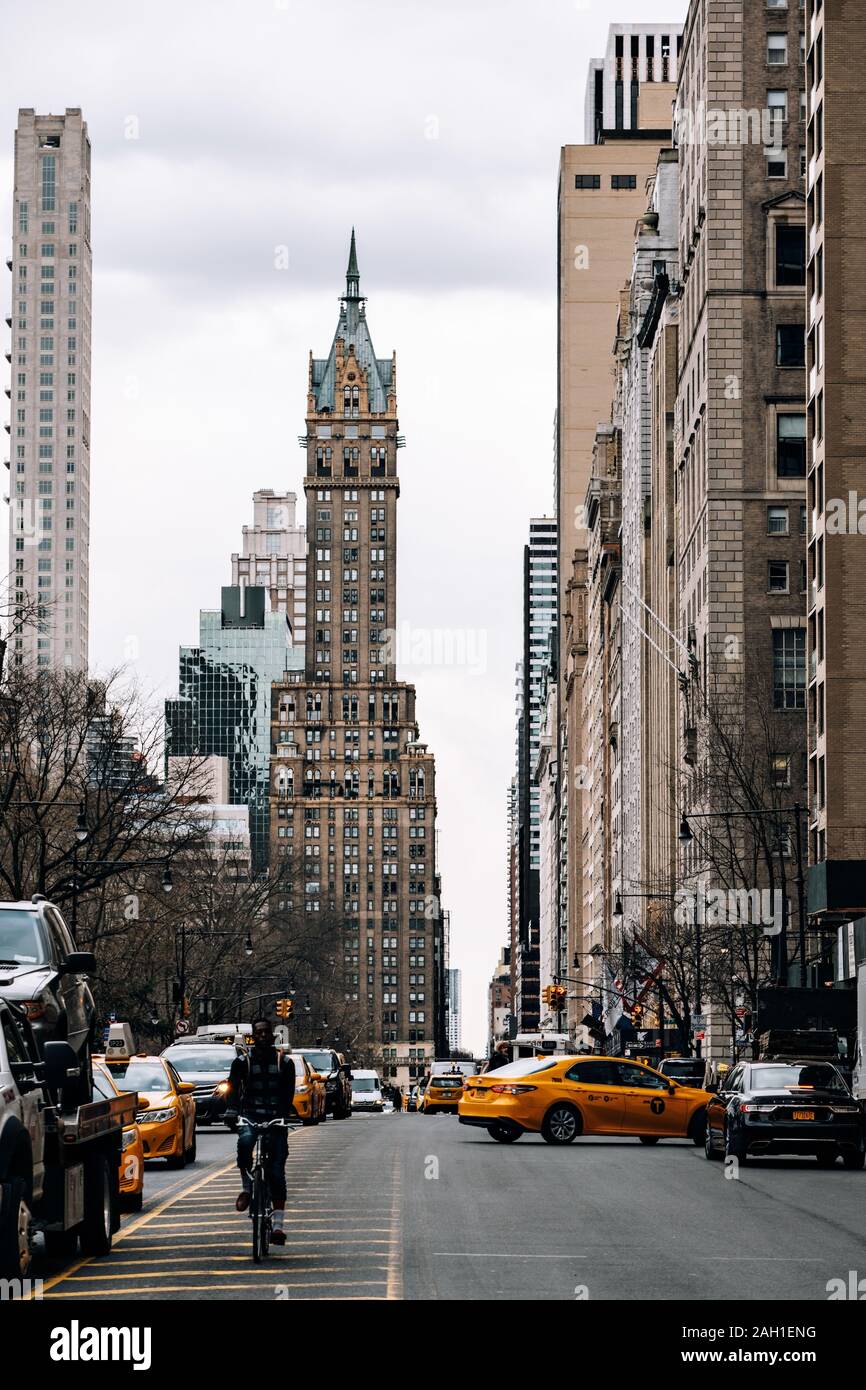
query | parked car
[206, 1066]
[367, 1091]
[337, 1076]
[42, 971]
[786, 1108]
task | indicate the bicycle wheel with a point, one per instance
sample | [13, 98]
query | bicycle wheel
[258, 1211]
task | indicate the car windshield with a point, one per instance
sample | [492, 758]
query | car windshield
[365, 1083]
[812, 1076]
[190, 1060]
[139, 1076]
[526, 1067]
[319, 1061]
[102, 1087]
[20, 939]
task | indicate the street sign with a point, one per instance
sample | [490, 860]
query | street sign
[699, 1021]
[181, 1027]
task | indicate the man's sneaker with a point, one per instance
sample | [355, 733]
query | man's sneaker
[278, 1236]
[242, 1202]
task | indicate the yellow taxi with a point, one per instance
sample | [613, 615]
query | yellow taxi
[310, 1099]
[442, 1095]
[131, 1173]
[562, 1098]
[166, 1108]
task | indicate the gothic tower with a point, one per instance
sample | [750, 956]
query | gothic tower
[353, 790]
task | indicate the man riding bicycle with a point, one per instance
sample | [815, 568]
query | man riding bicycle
[262, 1088]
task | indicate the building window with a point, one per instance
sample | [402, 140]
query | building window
[777, 521]
[781, 771]
[49, 177]
[777, 102]
[587, 180]
[623, 181]
[790, 345]
[777, 163]
[777, 576]
[791, 446]
[777, 50]
[789, 668]
[790, 259]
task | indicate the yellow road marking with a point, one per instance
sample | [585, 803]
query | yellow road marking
[250, 1273]
[209, 1288]
[135, 1226]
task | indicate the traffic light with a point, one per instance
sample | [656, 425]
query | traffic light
[284, 1008]
[546, 993]
[558, 994]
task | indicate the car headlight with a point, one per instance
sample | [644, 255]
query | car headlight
[222, 1089]
[129, 1138]
[34, 1009]
[155, 1117]
[300, 1089]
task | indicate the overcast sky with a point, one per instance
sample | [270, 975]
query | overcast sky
[225, 131]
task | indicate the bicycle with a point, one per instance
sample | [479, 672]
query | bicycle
[261, 1210]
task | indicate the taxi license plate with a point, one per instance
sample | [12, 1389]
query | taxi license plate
[804, 1115]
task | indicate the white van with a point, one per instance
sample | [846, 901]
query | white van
[367, 1091]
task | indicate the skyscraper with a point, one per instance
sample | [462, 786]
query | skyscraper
[49, 431]
[353, 795]
[223, 706]
[274, 555]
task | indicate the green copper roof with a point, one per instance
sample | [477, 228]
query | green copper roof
[352, 328]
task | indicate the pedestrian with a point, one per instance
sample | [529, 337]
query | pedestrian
[397, 1097]
[499, 1057]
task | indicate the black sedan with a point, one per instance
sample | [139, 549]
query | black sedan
[786, 1108]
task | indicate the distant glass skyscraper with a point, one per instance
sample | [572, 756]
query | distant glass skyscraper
[224, 702]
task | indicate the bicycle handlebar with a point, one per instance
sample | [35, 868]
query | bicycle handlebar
[279, 1122]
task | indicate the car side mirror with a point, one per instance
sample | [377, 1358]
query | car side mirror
[186, 1088]
[672, 1090]
[79, 963]
[61, 1066]
[712, 1086]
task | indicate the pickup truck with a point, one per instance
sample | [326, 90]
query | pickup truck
[58, 1160]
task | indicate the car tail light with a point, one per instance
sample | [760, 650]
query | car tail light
[846, 1110]
[749, 1109]
[513, 1090]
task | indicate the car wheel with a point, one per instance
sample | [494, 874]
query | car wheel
[100, 1187]
[177, 1160]
[15, 1256]
[734, 1148]
[191, 1151]
[308, 1122]
[503, 1135]
[698, 1128]
[710, 1149]
[231, 1126]
[133, 1201]
[648, 1138]
[561, 1124]
[854, 1158]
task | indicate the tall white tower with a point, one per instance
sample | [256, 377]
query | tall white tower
[49, 462]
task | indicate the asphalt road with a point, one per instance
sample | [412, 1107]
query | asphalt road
[419, 1207]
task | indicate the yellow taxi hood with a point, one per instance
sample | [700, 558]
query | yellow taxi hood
[155, 1100]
